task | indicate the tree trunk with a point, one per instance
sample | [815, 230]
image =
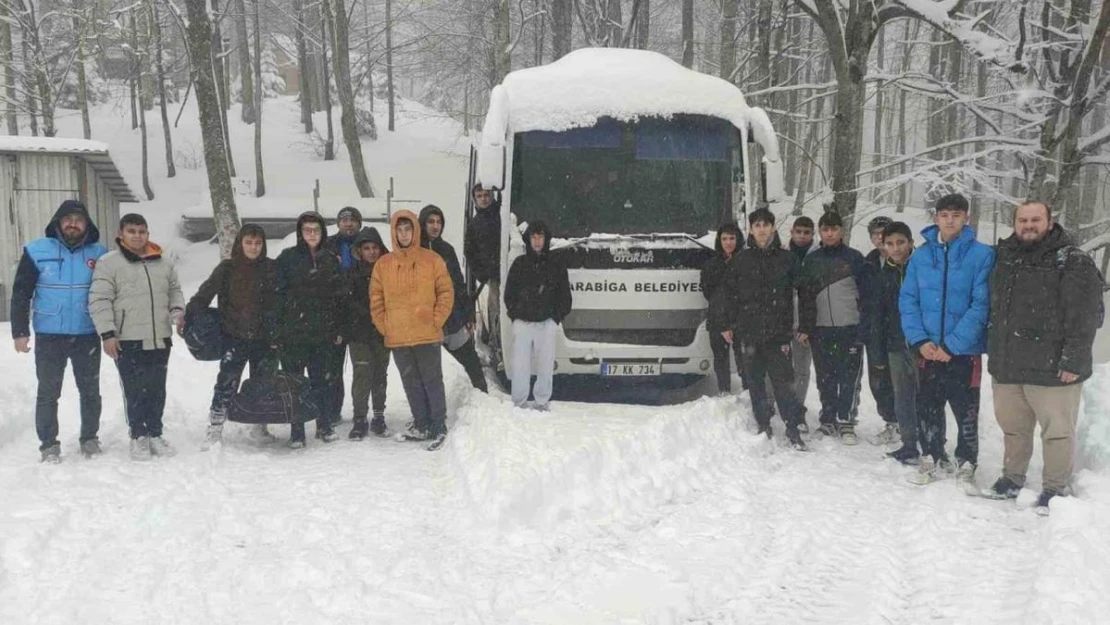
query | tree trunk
[502, 62]
[325, 90]
[8, 60]
[688, 33]
[728, 38]
[199, 40]
[562, 23]
[80, 19]
[337, 16]
[142, 110]
[614, 22]
[877, 125]
[302, 64]
[391, 95]
[160, 67]
[539, 33]
[643, 25]
[221, 86]
[259, 174]
[132, 80]
[847, 145]
[246, 89]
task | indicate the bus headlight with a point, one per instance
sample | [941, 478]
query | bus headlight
[704, 366]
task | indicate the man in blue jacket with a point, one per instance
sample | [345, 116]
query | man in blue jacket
[945, 305]
[54, 275]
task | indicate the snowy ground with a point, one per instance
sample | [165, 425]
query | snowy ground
[595, 513]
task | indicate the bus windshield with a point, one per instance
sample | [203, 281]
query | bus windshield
[653, 175]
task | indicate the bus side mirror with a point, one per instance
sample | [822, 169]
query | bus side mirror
[774, 188]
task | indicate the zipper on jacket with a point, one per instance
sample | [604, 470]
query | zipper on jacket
[944, 296]
[150, 287]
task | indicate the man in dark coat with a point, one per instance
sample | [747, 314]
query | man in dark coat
[801, 244]
[1046, 306]
[719, 317]
[245, 289]
[369, 355]
[55, 273]
[349, 222]
[762, 283]
[878, 378]
[458, 337]
[537, 298]
[482, 249]
[310, 290]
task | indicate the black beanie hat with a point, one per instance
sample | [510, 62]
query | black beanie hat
[349, 211]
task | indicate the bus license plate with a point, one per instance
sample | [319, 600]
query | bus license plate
[637, 369]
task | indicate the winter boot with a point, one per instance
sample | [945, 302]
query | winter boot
[52, 454]
[327, 435]
[159, 447]
[359, 427]
[906, 454]
[765, 430]
[377, 424]
[1046, 496]
[889, 435]
[926, 472]
[140, 449]
[214, 436]
[848, 435]
[436, 441]
[91, 448]
[965, 477]
[1003, 488]
[260, 433]
[413, 433]
[795, 439]
[826, 429]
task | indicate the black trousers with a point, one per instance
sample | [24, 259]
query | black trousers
[370, 362]
[882, 389]
[954, 383]
[422, 376]
[467, 356]
[52, 351]
[721, 366]
[337, 362]
[238, 353]
[837, 358]
[299, 358]
[771, 360]
[142, 372]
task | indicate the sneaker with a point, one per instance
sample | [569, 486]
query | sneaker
[414, 434]
[436, 441]
[328, 435]
[848, 435]
[140, 449]
[359, 428]
[377, 425]
[765, 430]
[91, 448]
[260, 433]
[1003, 488]
[906, 454]
[214, 436]
[965, 477]
[945, 464]
[52, 454]
[803, 427]
[1046, 496]
[296, 443]
[795, 439]
[891, 434]
[926, 472]
[159, 447]
[826, 429]
[542, 407]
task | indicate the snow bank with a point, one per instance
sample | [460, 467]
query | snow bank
[1094, 421]
[523, 468]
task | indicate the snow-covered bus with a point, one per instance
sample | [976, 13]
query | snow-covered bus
[633, 161]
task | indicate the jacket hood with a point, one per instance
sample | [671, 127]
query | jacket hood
[533, 227]
[69, 207]
[249, 230]
[416, 229]
[776, 242]
[959, 246]
[1056, 238]
[372, 235]
[153, 251]
[425, 214]
[729, 227]
[306, 217]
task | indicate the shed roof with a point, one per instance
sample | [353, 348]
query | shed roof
[95, 153]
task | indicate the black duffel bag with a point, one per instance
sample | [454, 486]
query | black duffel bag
[277, 398]
[203, 336]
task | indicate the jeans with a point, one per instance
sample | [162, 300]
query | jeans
[903, 367]
[370, 362]
[467, 356]
[237, 354]
[52, 351]
[955, 383]
[422, 376]
[142, 372]
[337, 362]
[313, 358]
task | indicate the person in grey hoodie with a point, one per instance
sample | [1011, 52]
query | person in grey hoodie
[135, 301]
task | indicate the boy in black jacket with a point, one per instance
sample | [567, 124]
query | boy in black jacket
[537, 297]
[718, 316]
[245, 288]
[369, 355]
[886, 346]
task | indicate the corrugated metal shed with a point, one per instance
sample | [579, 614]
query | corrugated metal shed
[36, 175]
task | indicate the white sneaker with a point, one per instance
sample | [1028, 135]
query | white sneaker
[213, 437]
[965, 477]
[159, 447]
[889, 435]
[140, 449]
[260, 434]
[926, 472]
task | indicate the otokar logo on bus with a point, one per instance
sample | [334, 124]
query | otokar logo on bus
[625, 256]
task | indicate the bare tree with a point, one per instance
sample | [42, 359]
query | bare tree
[688, 33]
[337, 17]
[242, 51]
[562, 25]
[259, 173]
[160, 69]
[7, 57]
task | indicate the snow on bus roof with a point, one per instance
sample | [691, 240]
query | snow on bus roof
[624, 84]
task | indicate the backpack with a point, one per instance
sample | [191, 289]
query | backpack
[203, 335]
[1062, 255]
[278, 398]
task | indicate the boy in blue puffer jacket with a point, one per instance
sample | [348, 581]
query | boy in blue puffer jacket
[945, 305]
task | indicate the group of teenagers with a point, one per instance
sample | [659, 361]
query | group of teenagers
[924, 316]
[303, 311]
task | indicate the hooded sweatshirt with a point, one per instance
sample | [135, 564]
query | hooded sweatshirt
[482, 245]
[713, 279]
[246, 292]
[56, 276]
[410, 291]
[309, 288]
[537, 287]
[463, 308]
[762, 283]
[360, 325]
